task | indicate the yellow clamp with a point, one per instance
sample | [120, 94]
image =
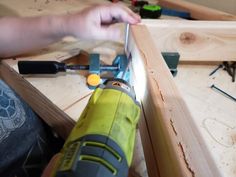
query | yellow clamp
[93, 80]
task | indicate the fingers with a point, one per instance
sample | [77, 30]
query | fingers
[106, 14]
[108, 33]
[120, 13]
[94, 22]
[135, 17]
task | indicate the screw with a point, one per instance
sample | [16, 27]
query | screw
[234, 71]
[230, 68]
[220, 66]
[226, 94]
[227, 67]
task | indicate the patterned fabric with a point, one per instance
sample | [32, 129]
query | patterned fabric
[12, 114]
[23, 141]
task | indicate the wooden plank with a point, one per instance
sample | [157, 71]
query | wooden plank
[45, 108]
[150, 158]
[195, 41]
[43, 7]
[177, 144]
[228, 6]
[198, 12]
[213, 113]
[138, 167]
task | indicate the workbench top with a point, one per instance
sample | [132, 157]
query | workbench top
[60, 100]
[213, 113]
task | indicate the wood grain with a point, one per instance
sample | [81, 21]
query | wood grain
[195, 41]
[44, 7]
[198, 12]
[212, 112]
[177, 144]
[228, 6]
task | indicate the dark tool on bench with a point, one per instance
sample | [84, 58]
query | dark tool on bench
[223, 92]
[230, 68]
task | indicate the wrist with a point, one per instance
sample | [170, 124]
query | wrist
[72, 25]
[58, 26]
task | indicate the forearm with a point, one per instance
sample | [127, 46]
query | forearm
[20, 35]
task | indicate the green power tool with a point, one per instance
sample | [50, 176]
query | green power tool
[101, 143]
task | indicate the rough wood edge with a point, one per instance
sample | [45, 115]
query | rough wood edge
[176, 142]
[150, 158]
[198, 12]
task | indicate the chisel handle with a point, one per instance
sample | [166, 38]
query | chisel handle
[41, 67]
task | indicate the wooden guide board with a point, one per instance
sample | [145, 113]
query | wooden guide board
[168, 116]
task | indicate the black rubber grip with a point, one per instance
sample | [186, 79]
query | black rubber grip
[93, 156]
[41, 67]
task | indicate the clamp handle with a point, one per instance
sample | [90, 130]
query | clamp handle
[41, 67]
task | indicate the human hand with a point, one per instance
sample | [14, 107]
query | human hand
[91, 23]
[95, 22]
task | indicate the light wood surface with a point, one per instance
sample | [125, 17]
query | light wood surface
[195, 41]
[201, 134]
[228, 6]
[65, 96]
[43, 7]
[212, 113]
[176, 142]
[197, 11]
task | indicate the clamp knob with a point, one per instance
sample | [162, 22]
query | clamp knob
[93, 80]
